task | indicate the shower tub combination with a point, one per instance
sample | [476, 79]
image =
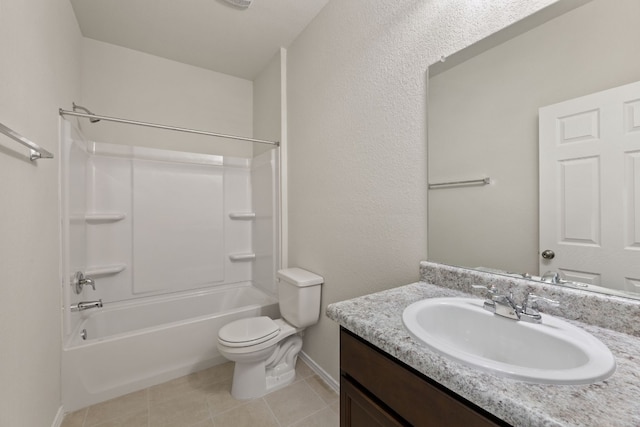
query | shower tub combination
[133, 345]
[169, 277]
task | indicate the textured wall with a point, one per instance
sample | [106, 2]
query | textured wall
[134, 85]
[39, 72]
[357, 140]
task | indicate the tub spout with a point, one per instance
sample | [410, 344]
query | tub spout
[84, 305]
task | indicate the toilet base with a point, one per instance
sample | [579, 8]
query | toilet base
[281, 377]
[255, 379]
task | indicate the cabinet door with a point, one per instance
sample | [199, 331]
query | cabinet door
[409, 397]
[358, 410]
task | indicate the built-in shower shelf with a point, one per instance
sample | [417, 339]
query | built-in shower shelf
[242, 215]
[100, 217]
[105, 270]
[242, 257]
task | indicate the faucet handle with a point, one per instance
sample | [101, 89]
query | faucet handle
[87, 281]
[553, 277]
[529, 310]
[80, 280]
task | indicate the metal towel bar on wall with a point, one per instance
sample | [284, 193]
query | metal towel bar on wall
[482, 181]
[37, 152]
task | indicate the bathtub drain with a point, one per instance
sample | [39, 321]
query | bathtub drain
[83, 334]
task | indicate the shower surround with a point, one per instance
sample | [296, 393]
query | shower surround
[178, 245]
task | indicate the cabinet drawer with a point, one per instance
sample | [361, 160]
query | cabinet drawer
[406, 392]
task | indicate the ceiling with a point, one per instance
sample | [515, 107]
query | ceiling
[205, 33]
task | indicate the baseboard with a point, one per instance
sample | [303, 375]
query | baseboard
[335, 385]
[57, 421]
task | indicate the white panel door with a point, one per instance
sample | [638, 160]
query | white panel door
[590, 188]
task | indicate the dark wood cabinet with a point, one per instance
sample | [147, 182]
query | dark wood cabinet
[358, 409]
[378, 390]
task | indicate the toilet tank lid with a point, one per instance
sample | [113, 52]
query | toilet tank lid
[299, 277]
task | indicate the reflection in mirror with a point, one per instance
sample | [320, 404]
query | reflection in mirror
[483, 122]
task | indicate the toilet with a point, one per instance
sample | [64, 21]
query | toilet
[265, 350]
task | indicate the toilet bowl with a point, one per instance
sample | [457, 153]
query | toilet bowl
[265, 350]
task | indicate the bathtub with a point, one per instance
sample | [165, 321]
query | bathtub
[136, 344]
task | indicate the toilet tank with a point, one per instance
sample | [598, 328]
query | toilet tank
[299, 296]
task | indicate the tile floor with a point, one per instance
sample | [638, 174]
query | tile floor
[203, 399]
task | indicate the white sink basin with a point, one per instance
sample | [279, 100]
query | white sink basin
[553, 352]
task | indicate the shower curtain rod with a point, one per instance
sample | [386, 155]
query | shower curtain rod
[154, 125]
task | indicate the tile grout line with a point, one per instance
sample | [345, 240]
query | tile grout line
[244, 403]
[212, 415]
[209, 411]
[325, 404]
[313, 390]
[318, 394]
[148, 406]
[271, 410]
[300, 378]
[310, 415]
[264, 400]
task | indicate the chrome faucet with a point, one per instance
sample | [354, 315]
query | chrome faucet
[529, 310]
[80, 281]
[85, 305]
[552, 277]
[503, 305]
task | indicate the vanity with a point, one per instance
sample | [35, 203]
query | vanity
[376, 389]
[389, 378]
[496, 202]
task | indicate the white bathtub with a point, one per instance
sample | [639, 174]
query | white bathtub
[133, 345]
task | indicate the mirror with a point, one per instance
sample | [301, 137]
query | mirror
[483, 122]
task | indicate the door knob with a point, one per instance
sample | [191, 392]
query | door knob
[548, 254]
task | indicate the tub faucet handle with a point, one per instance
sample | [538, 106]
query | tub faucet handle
[87, 281]
[80, 281]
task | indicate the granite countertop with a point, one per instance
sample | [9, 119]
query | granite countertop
[377, 318]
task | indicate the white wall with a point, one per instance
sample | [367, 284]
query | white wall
[267, 105]
[484, 122]
[39, 72]
[267, 118]
[357, 141]
[128, 84]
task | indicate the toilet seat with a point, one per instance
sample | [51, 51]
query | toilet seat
[248, 332]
